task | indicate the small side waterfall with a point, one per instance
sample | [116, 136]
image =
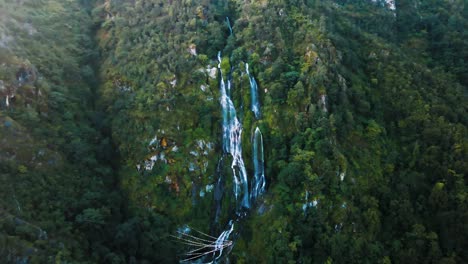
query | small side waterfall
[258, 180]
[229, 25]
[255, 105]
[219, 189]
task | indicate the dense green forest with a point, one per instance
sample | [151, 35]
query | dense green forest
[110, 129]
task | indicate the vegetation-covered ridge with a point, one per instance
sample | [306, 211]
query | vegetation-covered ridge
[58, 201]
[110, 125]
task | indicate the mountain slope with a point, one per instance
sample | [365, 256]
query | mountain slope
[54, 170]
[362, 112]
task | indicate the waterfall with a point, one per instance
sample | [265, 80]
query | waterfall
[232, 142]
[258, 180]
[255, 105]
[229, 25]
[219, 189]
[220, 242]
[211, 248]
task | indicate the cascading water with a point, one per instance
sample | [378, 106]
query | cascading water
[255, 105]
[221, 241]
[258, 180]
[232, 142]
[219, 189]
[211, 248]
[229, 25]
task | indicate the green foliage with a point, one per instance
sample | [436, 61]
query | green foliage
[363, 117]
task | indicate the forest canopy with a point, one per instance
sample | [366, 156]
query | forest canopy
[111, 129]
